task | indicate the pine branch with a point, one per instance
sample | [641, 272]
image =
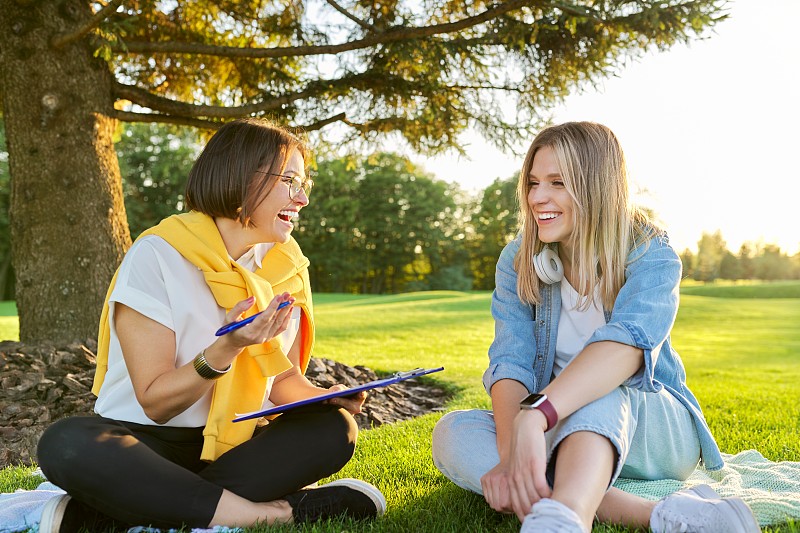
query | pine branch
[487, 87]
[64, 39]
[322, 123]
[352, 17]
[161, 104]
[578, 11]
[402, 34]
[161, 118]
[173, 107]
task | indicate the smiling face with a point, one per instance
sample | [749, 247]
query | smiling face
[550, 202]
[272, 219]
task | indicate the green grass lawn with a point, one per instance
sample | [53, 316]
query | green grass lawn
[741, 289]
[742, 355]
[9, 324]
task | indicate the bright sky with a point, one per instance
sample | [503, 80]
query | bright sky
[711, 130]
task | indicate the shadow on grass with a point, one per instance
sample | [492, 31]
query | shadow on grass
[451, 508]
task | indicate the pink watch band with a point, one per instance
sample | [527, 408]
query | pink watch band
[549, 413]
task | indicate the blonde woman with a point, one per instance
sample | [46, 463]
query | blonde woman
[585, 385]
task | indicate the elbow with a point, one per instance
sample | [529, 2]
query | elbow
[632, 360]
[155, 411]
[156, 415]
[158, 409]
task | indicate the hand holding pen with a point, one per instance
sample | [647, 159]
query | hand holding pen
[264, 325]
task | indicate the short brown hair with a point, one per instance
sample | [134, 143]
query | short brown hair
[224, 181]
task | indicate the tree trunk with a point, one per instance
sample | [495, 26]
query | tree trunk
[68, 225]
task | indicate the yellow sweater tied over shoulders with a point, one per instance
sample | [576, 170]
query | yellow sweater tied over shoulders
[285, 269]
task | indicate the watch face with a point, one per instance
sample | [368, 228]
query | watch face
[532, 401]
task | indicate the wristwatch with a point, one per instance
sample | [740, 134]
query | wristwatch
[540, 402]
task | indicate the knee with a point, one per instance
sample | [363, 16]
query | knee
[608, 415]
[450, 433]
[61, 441]
[464, 447]
[61, 445]
[442, 433]
[339, 433]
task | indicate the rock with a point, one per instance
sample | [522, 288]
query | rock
[42, 383]
[396, 402]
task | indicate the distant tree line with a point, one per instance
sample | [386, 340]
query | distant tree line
[377, 223]
[380, 224]
[713, 260]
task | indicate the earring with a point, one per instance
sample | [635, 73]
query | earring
[548, 266]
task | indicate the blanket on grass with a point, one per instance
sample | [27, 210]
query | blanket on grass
[772, 490]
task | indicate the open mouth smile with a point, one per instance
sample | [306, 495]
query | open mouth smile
[288, 216]
[547, 216]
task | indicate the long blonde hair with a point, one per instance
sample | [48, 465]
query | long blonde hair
[607, 226]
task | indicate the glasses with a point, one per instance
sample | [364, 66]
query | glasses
[294, 183]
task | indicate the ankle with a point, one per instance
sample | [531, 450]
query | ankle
[552, 515]
[235, 511]
[277, 512]
[585, 512]
[586, 516]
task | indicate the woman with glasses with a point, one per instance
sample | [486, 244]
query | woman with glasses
[164, 450]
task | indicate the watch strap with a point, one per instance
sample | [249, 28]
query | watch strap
[549, 413]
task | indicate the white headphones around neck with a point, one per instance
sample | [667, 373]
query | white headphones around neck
[548, 266]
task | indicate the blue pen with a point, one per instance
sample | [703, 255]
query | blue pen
[227, 328]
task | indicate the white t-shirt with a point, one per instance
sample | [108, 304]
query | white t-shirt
[574, 326]
[158, 282]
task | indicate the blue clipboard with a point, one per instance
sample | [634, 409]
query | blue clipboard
[395, 378]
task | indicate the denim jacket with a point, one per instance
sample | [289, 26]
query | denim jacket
[644, 311]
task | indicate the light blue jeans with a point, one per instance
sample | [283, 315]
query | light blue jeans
[654, 435]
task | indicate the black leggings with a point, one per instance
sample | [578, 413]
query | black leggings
[152, 475]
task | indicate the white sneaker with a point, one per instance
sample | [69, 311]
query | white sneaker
[53, 514]
[64, 514]
[703, 491]
[701, 510]
[550, 516]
